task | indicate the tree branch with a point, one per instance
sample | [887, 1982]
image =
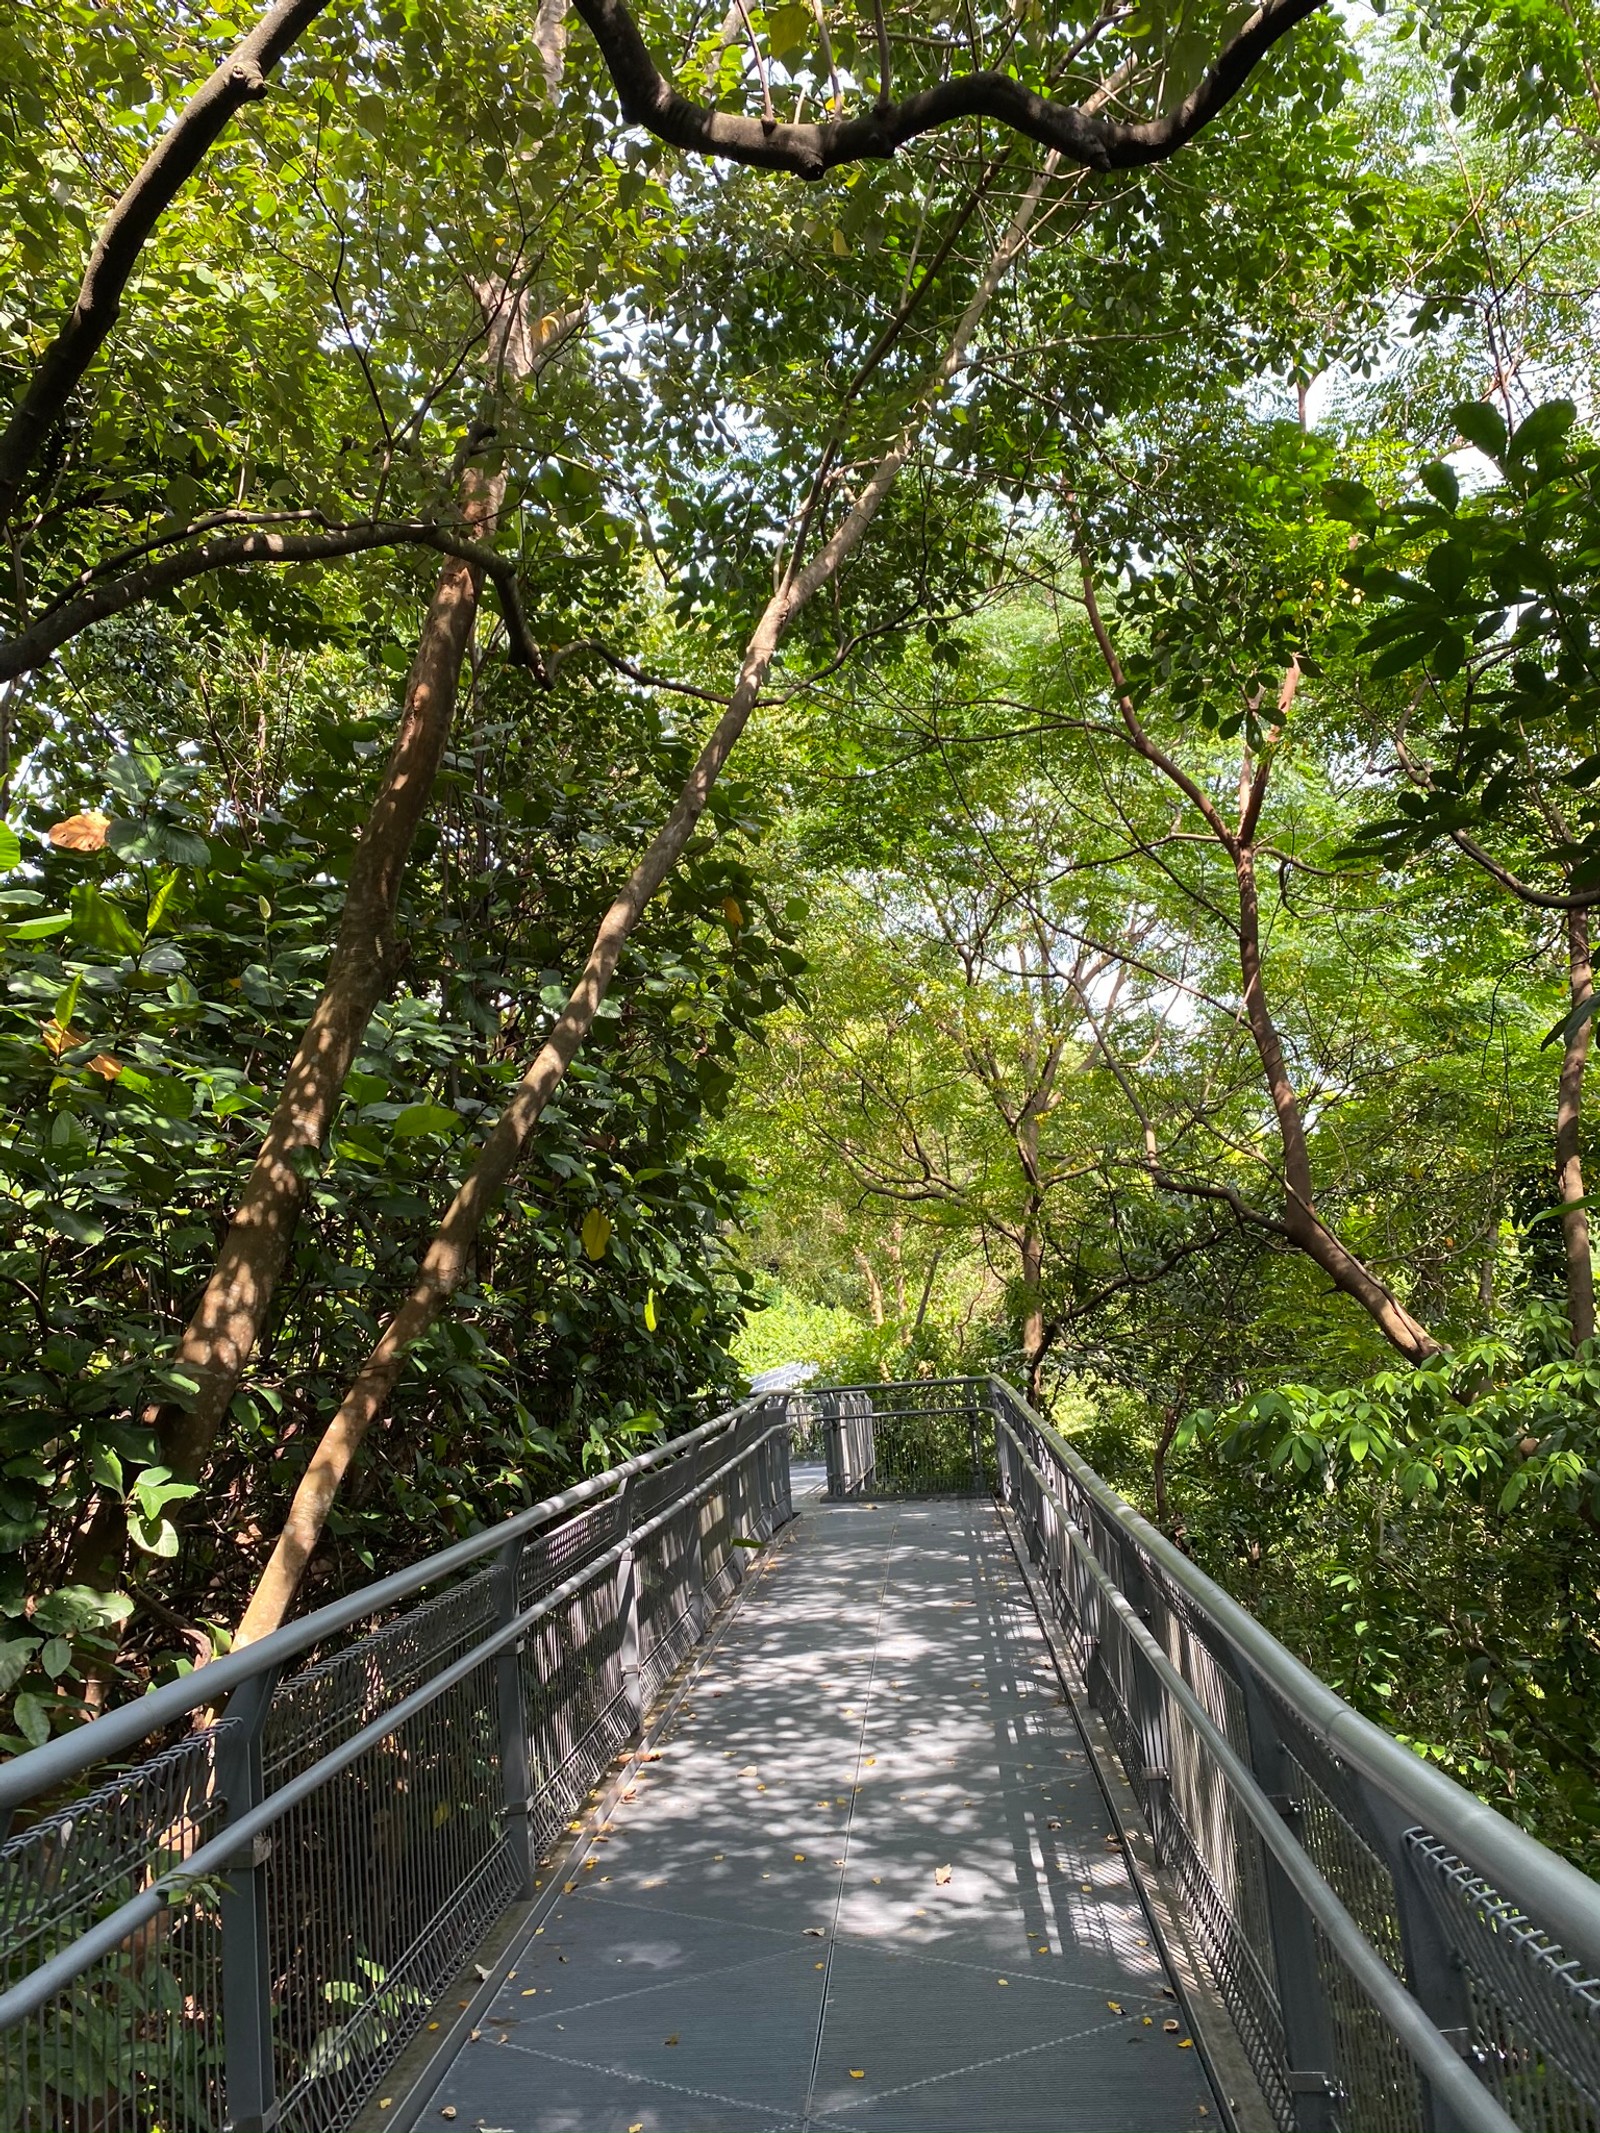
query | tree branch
[71, 616]
[1077, 135]
[241, 78]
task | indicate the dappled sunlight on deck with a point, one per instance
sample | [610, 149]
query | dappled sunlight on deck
[870, 1882]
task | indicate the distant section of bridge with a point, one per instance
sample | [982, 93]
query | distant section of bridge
[856, 1760]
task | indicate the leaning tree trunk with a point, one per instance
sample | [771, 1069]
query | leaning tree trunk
[227, 1323]
[1306, 1229]
[1569, 1120]
[445, 1263]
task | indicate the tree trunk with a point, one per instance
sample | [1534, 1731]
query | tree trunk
[869, 1274]
[1033, 1341]
[1569, 1153]
[445, 1262]
[1305, 1227]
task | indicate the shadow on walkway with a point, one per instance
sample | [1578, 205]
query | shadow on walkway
[767, 1936]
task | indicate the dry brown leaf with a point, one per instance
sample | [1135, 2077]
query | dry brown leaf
[1171, 2028]
[81, 833]
[941, 1875]
[447, 2110]
[670, 2040]
[58, 1040]
[105, 1066]
[817, 1932]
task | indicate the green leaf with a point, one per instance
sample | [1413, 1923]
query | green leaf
[1481, 425]
[1546, 426]
[10, 849]
[418, 1119]
[15, 1654]
[101, 924]
[1439, 480]
[32, 1717]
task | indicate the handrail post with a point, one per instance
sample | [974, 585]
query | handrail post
[1302, 2003]
[1433, 1972]
[626, 1601]
[697, 1553]
[248, 2068]
[516, 1776]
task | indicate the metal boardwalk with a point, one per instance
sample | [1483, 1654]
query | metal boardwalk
[871, 1882]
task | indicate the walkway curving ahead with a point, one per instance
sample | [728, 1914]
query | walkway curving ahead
[869, 1884]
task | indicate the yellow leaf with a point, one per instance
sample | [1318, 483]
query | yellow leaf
[841, 249]
[441, 1814]
[81, 833]
[596, 1232]
[105, 1066]
[858, 2073]
[732, 913]
[650, 1312]
[1115, 2006]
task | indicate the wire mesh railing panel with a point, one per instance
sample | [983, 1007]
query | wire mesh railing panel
[333, 1699]
[319, 1865]
[927, 1438]
[1535, 2014]
[548, 1559]
[135, 2040]
[378, 1887]
[578, 1713]
[670, 1598]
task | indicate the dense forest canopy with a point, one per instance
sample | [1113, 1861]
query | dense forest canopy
[683, 691]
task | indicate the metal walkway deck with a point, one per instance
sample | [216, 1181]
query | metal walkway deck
[871, 1882]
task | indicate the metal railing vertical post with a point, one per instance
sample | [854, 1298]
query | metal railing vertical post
[1433, 1972]
[697, 1553]
[626, 1601]
[1150, 1708]
[516, 1777]
[248, 2067]
[1302, 2001]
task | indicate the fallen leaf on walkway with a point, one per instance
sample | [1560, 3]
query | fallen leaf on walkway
[529, 1992]
[1146, 2021]
[819, 1966]
[749, 1771]
[1167, 1993]
[447, 2110]
[817, 1932]
[1171, 2028]
[1186, 2044]
[1002, 1981]
[637, 2126]
[799, 1858]
[1115, 2006]
[941, 1875]
[669, 2040]
[858, 2073]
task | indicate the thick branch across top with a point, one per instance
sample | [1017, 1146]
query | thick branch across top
[1076, 133]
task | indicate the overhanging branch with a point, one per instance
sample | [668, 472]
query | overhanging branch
[31, 647]
[1077, 134]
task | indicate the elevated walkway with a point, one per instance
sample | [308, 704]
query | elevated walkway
[658, 1807]
[871, 1883]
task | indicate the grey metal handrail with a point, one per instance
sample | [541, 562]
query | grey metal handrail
[172, 1901]
[42, 1771]
[1472, 2105]
[1550, 1887]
